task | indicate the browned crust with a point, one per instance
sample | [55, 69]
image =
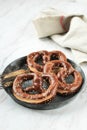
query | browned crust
[46, 95]
[48, 98]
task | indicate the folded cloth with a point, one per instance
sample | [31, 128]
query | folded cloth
[67, 29]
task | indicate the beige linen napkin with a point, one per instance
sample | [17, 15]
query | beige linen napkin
[67, 29]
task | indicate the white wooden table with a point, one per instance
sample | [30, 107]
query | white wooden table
[17, 39]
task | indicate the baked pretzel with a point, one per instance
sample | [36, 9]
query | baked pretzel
[63, 70]
[42, 95]
[37, 60]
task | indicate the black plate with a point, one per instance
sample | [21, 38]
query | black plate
[58, 101]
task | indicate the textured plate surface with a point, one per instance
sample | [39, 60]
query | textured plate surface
[58, 101]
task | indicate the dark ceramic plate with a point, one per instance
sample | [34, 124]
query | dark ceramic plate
[58, 101]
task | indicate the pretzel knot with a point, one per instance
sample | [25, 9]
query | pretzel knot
[64, 71]
[35, 93]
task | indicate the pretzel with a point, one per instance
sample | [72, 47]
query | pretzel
[43, 95]
[63, 69]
